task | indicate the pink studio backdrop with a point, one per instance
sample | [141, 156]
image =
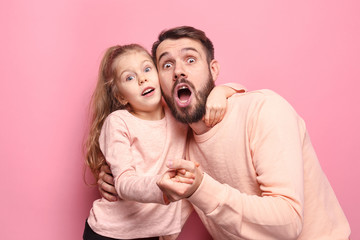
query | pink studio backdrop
[307, 51]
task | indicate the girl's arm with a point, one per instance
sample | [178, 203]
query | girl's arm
[115, 144]
[115, 141]
[217, 101]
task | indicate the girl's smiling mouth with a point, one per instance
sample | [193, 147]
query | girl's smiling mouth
[148, 91]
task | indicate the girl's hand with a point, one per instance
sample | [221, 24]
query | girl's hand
[216, 103]
[215, 106]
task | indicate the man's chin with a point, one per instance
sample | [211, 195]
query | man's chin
[193, 112]
[190, 114]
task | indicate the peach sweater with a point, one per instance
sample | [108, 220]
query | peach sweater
[136, 151]
[262, 177]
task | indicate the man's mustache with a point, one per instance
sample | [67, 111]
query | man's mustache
[182, 80]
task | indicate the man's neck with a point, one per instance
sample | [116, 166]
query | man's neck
[199, 127]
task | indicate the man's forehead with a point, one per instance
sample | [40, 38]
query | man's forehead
[169, 46]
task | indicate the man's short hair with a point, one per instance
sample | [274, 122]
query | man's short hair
[185, 32]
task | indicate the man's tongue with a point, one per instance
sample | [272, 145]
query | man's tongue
[183, 97]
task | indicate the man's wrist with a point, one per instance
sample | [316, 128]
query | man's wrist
[209, 195]
[197, 185]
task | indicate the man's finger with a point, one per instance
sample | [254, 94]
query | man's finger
[104, 186]
[185, 174]
[108, 196]
[181, 179]
[105, 168]
[181, 163]
[108, 179]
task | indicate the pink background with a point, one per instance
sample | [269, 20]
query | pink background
[307, 51]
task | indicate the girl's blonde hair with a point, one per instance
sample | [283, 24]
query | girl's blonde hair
[105, 99]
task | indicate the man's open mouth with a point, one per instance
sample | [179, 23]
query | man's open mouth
[183, 95]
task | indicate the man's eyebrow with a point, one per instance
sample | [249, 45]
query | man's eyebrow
[162, 55]
[183, 50]
[189, 49]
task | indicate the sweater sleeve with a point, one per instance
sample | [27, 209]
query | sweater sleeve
[115, 143]
[275, 135]
[239, 88]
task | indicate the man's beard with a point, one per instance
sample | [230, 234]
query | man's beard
[191, 113]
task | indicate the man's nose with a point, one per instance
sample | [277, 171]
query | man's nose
[179, 71]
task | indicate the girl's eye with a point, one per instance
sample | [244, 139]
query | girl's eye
[129, 78]
[191, 60]
[147, 69]
[167, 65]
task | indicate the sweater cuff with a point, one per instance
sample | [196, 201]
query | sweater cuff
[209, 195]
[161, 197]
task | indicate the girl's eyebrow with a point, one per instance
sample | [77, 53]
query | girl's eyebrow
[147, 60]
[142, 63]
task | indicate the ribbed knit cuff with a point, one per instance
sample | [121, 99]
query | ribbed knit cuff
[209, 195]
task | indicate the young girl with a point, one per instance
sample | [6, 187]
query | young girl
[135, 132]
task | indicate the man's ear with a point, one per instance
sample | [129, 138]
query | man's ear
[214, 69]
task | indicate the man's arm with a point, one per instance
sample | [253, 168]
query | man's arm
[275, 140]
[277, 213]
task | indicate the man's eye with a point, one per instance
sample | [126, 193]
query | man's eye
[191, 60]
[129, 78]
[167, 65]
[147, 69]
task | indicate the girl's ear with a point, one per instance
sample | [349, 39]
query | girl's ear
[214, 69]
[116, 93]
[122, 100]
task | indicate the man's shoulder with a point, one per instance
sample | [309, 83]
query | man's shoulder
[264, 100]
[251, 96]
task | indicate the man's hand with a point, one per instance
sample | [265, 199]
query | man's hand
[181, 180]
[106, 184]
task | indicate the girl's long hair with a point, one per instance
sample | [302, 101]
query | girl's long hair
[105, 100]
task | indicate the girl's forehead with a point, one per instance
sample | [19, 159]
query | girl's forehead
[135, 54]
[132, 60]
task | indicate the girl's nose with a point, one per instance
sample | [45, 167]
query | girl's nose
[142, 79]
